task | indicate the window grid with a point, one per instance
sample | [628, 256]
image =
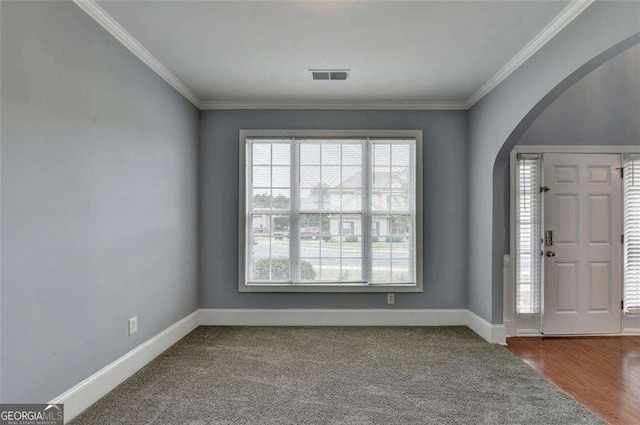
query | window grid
[325, 261]
[390, 193]
[632, 234]
[327, 207]
[267, 215]
[528, 264]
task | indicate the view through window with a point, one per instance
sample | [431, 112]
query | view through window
[330, 211]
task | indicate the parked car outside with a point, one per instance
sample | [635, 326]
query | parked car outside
[312, 233]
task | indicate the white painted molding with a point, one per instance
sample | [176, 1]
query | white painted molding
[568, 14]
[510, 281]
[90, 390]
[440, 106]
[542, 149]
[332, 317]
[122, 35]
[548, 32]
[536, 333]
[87, 392]
[527, 332]
[495, 334]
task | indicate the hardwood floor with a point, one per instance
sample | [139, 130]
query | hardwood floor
[601, 372]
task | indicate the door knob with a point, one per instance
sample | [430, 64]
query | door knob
[551, 254]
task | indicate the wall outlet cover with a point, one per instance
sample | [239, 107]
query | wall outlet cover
[133, 325]
[391, 298]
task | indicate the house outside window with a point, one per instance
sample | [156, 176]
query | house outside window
[307, 196]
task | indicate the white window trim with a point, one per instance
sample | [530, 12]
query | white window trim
[530, 325]
[331, 287]
[535, 251]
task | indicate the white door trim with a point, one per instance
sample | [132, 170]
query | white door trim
[510, 316]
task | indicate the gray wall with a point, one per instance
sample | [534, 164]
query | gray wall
[98, 200]
[445, 205]
[603, 108]
[499, 120]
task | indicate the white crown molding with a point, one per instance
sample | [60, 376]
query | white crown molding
[115, 29]
[565, 17]
[568, 14]
[444, 105]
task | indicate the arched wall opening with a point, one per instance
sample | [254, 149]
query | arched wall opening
[499, 120]
[501, 166]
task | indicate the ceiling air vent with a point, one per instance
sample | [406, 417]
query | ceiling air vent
[329, 74]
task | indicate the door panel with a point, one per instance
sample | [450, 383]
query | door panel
[567, 278]
[599, 286]
[582, 269]
[599, 219]
[567, 211]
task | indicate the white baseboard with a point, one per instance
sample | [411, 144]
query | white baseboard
[535, 333]
[87, 392]
[332, 317]
[495, 334]
[509, 327]
[527, 332]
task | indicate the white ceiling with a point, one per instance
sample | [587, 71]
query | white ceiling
[397, 51]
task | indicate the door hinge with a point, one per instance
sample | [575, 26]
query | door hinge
[621, 304]
[621, 169]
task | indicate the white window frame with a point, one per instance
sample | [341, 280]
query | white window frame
[363, 286]
[536, 242]
[630, 231]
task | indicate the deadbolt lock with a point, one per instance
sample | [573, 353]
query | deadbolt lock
[548, 237]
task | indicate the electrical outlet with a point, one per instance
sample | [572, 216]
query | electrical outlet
[391, 298]
[133, 325]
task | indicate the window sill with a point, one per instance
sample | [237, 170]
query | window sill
[330, 288]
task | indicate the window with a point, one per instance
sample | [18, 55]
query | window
[528, 234]
[331, 211]
[632, 234]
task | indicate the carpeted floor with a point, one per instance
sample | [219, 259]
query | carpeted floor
[331, 375]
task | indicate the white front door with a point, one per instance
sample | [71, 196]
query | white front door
[583, 262]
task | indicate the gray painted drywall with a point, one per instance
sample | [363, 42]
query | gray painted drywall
[501, 117]
[445, 206]
[99, 200]
[603, 108]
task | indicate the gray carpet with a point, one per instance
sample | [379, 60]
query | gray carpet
[330, 375]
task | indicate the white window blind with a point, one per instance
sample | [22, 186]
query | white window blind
[632, 234]
[528, 235]
[328, 211]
